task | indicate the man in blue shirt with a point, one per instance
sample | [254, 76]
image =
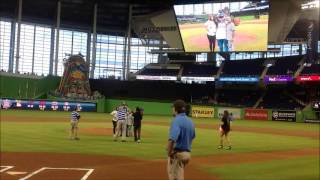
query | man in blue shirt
[182, 132]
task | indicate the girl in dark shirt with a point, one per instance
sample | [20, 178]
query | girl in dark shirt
[137, 117]
[224, 130]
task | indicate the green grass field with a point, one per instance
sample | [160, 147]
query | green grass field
[35, 131]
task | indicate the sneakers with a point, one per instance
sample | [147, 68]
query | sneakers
[139, 141]
[221, 147]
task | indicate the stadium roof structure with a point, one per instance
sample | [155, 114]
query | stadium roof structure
[112, 14]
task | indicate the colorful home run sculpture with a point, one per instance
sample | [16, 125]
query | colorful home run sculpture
[75, 80]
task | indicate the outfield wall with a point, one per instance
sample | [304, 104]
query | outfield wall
[162, 108]
[19, 87]
[250, 113]
[31, 88]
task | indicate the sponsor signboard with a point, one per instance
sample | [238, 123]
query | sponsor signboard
[308, 78]
[255, 114]
[202, 111]
[312, 120]
[160, 78]
[283, 115]
[234, 111]
[45, 105]
[189, 78]
[270, 79]
[239, 79]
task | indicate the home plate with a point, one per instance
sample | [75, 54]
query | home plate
[16, 173]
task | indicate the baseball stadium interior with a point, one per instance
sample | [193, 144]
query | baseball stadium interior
[56, 55]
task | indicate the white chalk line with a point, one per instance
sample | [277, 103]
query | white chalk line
[44, 168]
[5, 168]
[33, 173]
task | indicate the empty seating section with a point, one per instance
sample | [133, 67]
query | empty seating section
[285, 66]
[238, 98]
[243, 68]
[160, 72]
[314, 69]
[153, 90]
[281, 66]
[199, 70]
[291, 96]
[278, 99]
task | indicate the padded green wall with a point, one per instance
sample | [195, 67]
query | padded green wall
[154, 108]
[29, 87]
[35, 88]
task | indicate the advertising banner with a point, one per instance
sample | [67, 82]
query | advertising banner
[312, 40]
[235, 112]
[308, 78]
[202, 111]
[255, 114]
[239, 79]
[46, 105]
[312, 120]
[284, 115]
[159, 78]
[270, 79]
[189, 78]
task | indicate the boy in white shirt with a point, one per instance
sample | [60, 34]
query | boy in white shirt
[130, 124]
[114, 120]
[230, 33]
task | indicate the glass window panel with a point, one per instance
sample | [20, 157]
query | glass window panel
[178, 9]
[207, 8]
[42, 50]
[5, 33]
[26, 48]
[198, 9]
[187, 9]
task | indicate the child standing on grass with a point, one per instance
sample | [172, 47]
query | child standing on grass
[75, 117]
[114, 120]
[129, 122]
[224, 130]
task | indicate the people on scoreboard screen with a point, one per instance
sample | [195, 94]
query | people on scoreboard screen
[222, 33]
[230, 33]
[220, 29]
[211, 27]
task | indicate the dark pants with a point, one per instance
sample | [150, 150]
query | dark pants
[223, 45]
[137, 132]
[114, 123]
[212, 42]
